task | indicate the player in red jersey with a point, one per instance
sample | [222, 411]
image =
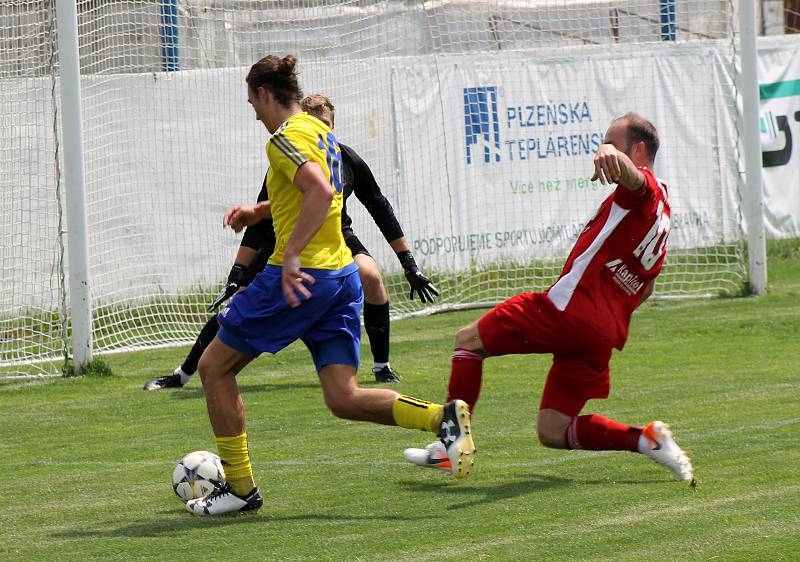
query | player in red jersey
[610, 271]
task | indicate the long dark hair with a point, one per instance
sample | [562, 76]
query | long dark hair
[278, 75]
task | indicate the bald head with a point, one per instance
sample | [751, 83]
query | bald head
[639, 130]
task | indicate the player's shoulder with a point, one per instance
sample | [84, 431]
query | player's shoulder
[653, 184]
[297, 138]
[662, 186]
[349, 155]
[300, 128]
[303, 123]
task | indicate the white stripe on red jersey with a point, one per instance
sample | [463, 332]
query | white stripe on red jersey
[619, 252]
[561, 293]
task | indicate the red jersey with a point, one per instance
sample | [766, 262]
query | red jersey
[618, 253]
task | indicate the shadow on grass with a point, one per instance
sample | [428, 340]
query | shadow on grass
[197, 392]
[479, 495]
[176, 521]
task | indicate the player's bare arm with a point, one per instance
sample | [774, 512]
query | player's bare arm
[317, 195]
[400, 245]
[611, 165]
[245, 255]
[240, 216]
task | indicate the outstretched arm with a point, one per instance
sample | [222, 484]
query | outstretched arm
[367, 191]
[258, 236]
[240, 216]
[417, 281]
[613, 166]
[243, 259]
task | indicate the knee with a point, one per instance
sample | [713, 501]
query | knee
[205, 368]
[467, 338]
[342, 405]
[372, 282]
[461, 337]
[551, 436]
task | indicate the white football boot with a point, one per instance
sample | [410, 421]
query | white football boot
[455, 450]
[432, 456]
[661, 447]
[223, 500]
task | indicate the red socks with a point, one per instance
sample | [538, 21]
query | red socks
[590, 432]
[596, 433]
[466, 375]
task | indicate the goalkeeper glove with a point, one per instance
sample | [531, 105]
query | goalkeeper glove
[235, 278]
[418, 282]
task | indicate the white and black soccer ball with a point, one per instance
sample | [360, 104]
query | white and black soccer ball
[197, 474]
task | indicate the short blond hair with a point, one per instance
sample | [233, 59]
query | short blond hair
[317, 104]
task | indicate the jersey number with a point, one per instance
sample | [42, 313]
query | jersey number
[651, 248]
[333, 156]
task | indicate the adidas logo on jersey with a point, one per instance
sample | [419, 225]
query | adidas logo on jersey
[629, 281]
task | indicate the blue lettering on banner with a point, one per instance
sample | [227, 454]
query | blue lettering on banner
[553, 119]
[481, 123]
[547, 114]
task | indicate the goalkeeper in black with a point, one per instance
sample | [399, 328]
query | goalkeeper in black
[258, 243]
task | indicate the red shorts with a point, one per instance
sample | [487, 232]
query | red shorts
[529, 323]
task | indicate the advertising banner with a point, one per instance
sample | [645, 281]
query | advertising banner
[779, 89]
[510, 145]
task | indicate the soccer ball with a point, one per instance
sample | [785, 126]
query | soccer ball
[197, 474]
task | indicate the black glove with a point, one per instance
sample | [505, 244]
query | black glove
[417, 280]
[235, 278]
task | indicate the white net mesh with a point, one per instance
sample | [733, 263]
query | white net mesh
[31, 302]
[478, 119]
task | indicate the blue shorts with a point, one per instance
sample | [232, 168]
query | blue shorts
[259, 320]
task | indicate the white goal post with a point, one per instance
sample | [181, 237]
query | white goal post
[127, 134]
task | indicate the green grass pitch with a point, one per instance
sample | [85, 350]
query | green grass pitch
[86, 462]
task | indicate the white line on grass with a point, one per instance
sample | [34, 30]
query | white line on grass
[474, 550]
[638, 515]
[570, 456]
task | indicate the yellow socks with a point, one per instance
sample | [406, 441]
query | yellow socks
[236, 460]
[413, 413]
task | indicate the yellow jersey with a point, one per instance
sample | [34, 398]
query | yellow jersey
[300, 139]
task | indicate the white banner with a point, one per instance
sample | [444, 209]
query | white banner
[513, 158]
[779, 77]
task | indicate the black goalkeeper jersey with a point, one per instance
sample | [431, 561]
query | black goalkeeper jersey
[261, 234]
[359, 180]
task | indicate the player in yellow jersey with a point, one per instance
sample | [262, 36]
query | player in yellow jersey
[309, 290]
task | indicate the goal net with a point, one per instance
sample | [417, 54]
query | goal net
[33, 323]
[479, 119]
